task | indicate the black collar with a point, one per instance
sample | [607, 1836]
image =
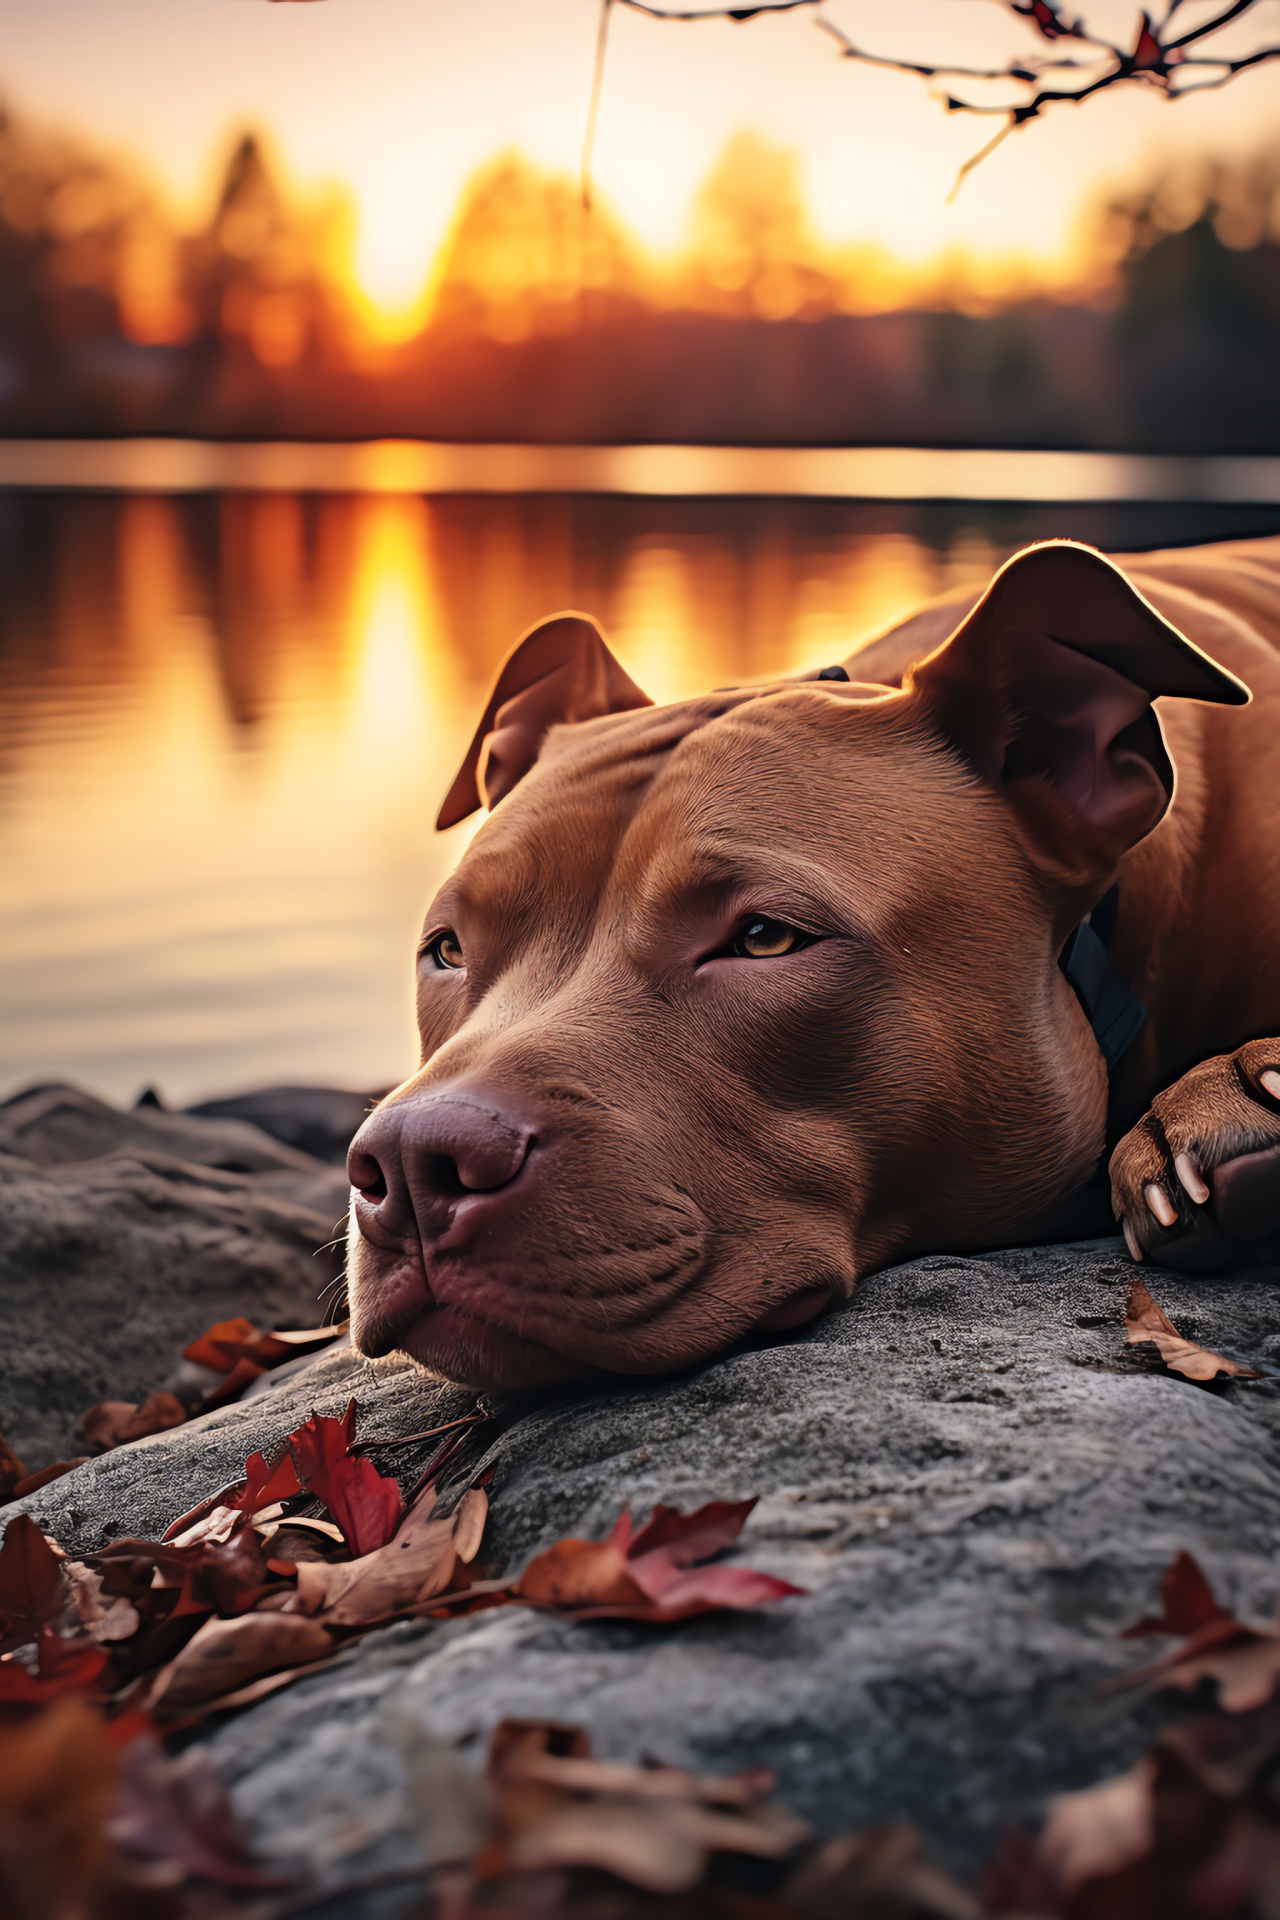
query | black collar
[1113, 1010]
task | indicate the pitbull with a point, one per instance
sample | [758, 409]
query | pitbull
[731, 1002]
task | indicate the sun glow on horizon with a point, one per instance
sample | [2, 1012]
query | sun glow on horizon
[399, 111]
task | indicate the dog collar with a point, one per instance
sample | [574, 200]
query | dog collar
[1113, 1010]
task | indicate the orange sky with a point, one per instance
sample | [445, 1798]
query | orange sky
[399, 100]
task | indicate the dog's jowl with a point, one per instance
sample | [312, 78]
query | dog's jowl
[730, 1002]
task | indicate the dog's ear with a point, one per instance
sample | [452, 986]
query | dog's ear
[1047, 688]
[561, 670]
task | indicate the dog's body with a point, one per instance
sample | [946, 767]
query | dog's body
[731, 1002]
[1198, 933]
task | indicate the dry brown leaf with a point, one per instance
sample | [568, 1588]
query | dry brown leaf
[875, 1875]
[11, 1469]
[57, 1775]
[655, 1827]
[175, 1813]
[1102, 1829]
[214, 1528]
[1144, 1321]
[46, 1475]
[113, 1423]
[1246, 1670]
[246, 1695]
[414, 1566]
[33, 1587]
[225, 1654]
[103, 1618]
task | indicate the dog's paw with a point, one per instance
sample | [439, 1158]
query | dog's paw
[1196, 1184]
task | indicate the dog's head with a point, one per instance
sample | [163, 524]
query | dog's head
[732, 1001]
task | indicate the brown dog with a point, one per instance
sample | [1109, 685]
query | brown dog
[733, 1001]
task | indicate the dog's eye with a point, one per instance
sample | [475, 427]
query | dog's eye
[767, 939]
[445, 950]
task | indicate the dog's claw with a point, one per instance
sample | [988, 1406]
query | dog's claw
[1271, 1081]
[1131, 1240]
[1160, 1204]
[1189, 1174]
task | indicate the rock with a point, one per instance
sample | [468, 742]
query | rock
[124, 1235]
[974, 1475]
[316, 1120]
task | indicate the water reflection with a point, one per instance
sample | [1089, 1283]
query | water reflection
[226, 723]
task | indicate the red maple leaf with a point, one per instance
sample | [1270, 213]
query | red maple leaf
[1187, 1602]
[62, 1666]
[364, 1504]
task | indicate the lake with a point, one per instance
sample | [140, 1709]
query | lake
[227, 719]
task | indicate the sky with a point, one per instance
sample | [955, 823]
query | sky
[398, 101]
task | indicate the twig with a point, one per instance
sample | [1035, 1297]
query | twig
[1153, 60]
[477, 1418]
[597, 87]
[976, 159]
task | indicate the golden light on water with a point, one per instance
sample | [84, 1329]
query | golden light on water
[226, 724]
[393, 635]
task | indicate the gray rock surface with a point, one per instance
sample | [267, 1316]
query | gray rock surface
[974, 1475]
[124, 1235]
[316, 1120]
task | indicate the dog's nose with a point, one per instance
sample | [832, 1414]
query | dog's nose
[414, 1162]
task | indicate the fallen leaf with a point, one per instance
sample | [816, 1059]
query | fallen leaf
[365, 1505]
[11, 1469]
[574, 1574]
[177, 1811]
[46, 1475]
[1244, 1660]
[63, 1667]
[264, 1481]
[877, 1875]
[103, 1619]
[216, 1526]
[233, 1340]
[415, 1565]
[650, 1576]
[320, 1442]
[653, 1826]
[1187, 1602]
[291, 1543]
[316, 1457]
[57, 1774]
[32, 1587]
[210, 1350]
[113, 1423]
[242, 1375]
[1227, 1750]
[246, 1695]
[1144, 1321]
[100, 1424]
[1246, 1670]
[1102, 1829]
[224, 1654]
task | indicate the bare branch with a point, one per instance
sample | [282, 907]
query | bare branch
[738, 14]
[597, 88]
[1029, 74]
[1233, 67]
[1153, 60]
[1210, 26]
[976, 159]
